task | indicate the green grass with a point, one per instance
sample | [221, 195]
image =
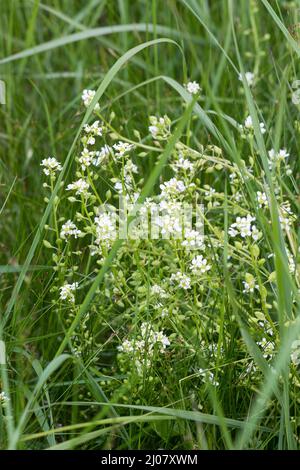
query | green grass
[67, 382]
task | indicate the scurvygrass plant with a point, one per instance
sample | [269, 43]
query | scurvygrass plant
[150, 290]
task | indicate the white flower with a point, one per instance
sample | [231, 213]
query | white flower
[153, 131]
[200, 265]
[122, 147]
[3, 398]
[160, 127]
[242, 226]
[126, 347]
[105, 225]
[159, 291]
[291, 262]
[163, 339]
[80, 186]
[172, 187]
[68, 229]
[94, 129]
[183, 164]
[193, 240]
[118, 187]
[279, 156]
[87, 98]
[248, 125]
[193, 87]
[262, 199]
[249, 283]
[182, 279]
[130, 167]
[51, 166]
[86, 158]
[66, 291]
[249, 78]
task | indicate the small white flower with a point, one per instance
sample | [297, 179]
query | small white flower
[183, 164]
[66, 291]
[95, 129]
[279, 156]
[193, 240]
[249, 284]
[51, 166]
[122, 147]
[80, 186]
[86, 158]
[200, 265]
[193, 87]
[118, 187]
[172, 187]
[182, 279]
[249, 78]
[3, 398]
[158, 291]
[242, 226]
[87, 98]
[126, 347]
[262, 199]
[160, 127]
[68, 229]
[105, 225]
[248, 125]
[163, 339]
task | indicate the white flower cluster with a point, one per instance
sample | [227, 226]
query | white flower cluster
[183, 164]
[250, 77]
[51, 166]
[248, 126]
[3, 398]
[121, 148]
[200, 265]
[66, 292]
[159, 127]
[181, 279]
[193, 239]
[286, 216]
[157, 290]
[142, 349]
[249, 283]
[172, 188]
[80, 186]
[277, 157]
[87, 98]
[193, 88]
[69, 229]
[105, 229]
[243, 226]
[262, 199]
